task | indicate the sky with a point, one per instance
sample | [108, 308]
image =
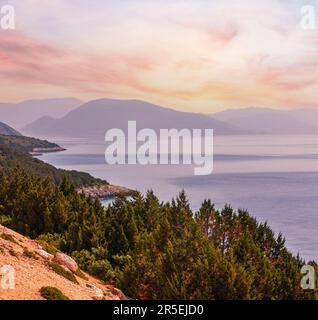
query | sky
[191, 55]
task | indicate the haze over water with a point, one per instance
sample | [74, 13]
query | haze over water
[274, 177]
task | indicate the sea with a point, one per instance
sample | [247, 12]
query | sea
[274, 177]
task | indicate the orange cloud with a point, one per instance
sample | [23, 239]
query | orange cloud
[25, 59]
[217, 35]
[222, 76]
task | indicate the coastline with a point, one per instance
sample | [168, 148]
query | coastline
[105, 191]
[41, 151]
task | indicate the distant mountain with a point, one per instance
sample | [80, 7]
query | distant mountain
[20, 114]
[270, 121]
[307, 115]
[5, 130]
[92, 119]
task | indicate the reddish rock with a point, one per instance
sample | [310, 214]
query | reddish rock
[66, 261]
[97, 293]
[43, 254]
[104, 191]
[118, 293]
[110, 296]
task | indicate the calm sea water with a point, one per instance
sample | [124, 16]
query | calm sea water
[274, 177]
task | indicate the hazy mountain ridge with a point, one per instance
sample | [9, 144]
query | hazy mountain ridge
[20, 114]
[271, 121]
[92, 119]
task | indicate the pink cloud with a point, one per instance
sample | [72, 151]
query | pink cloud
[292, 76]
[218, 34]
[24, 58]
[27, 61]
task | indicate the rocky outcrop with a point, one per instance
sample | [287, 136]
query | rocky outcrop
[40, 151]
[97, 293]
[66, 261]
[105, 191]
[109, 293]
[118, 293]
[45, 255]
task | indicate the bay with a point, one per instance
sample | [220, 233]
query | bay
[275, 178]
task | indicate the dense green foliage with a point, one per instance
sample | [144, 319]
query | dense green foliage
[51, 293]
[24, 144]
[14, 151]
[156, 250]
[63, 272]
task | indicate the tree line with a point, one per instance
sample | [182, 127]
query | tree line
[153, 249]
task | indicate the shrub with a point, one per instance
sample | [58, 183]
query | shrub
[47, 247]
[102, 269]
[81, 274]
[50, 242]
[29, 254]
[13, 253]
[8, 237]
[5, 220]
[51, 293]
[62, 272]
[95, 263]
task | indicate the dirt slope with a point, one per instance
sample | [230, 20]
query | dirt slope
[32, 272]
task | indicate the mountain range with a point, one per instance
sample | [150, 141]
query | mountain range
[20, 114]
[70, 117]
[92, 119]
[271, 121]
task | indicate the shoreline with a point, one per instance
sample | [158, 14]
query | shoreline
[105, 191]
[41, 151]
[101, 191]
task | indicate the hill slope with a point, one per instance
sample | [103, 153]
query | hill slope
[15, 152]
[32, 272]
[26, 144]
[8, 131]
[92, 119]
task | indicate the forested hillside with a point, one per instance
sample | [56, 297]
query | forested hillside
[155, 250]
[25, 144]
[15, 152]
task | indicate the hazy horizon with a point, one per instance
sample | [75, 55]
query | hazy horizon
[57, 98]
[40, 116]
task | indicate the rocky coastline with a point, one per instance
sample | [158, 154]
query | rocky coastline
[101, 191]
[40, 151]
[105, 191]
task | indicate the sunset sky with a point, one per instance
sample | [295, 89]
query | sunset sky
[199, 55]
